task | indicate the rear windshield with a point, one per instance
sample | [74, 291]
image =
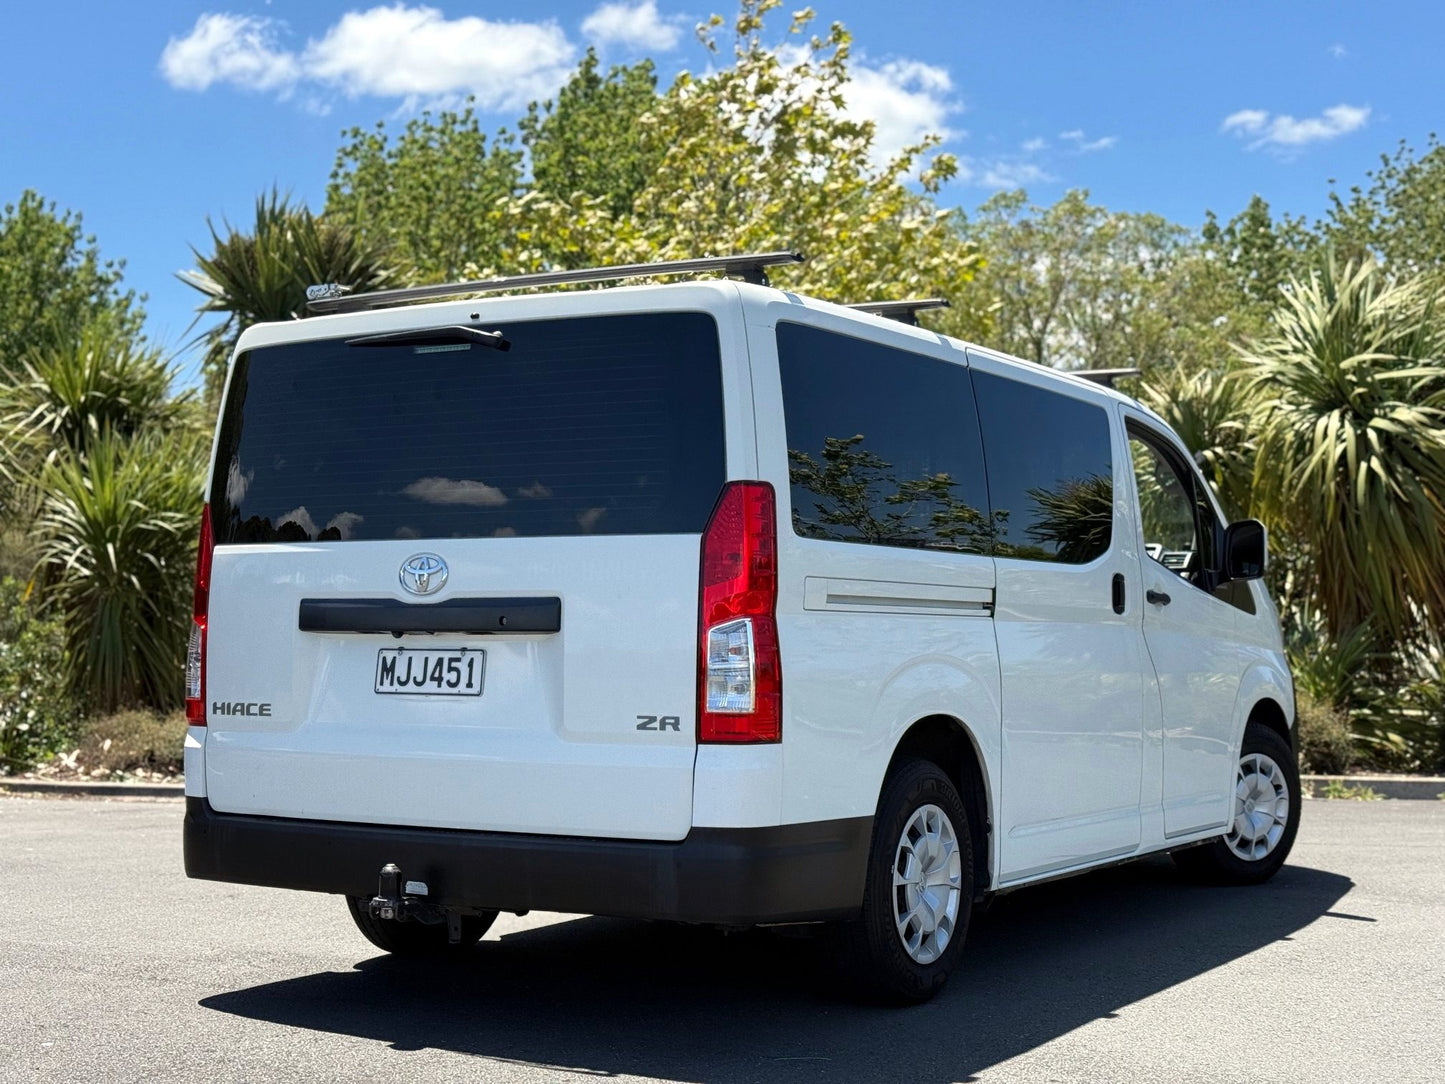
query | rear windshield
[601, 425]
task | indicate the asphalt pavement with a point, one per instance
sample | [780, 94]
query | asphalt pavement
[114, 967]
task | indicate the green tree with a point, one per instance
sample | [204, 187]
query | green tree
[1399, 216]
[589, 142]
[262, 275]
[761, 154]
[1258, 253]
[431, 195]
[1350, 424]
[53, 280]
[1077, 286]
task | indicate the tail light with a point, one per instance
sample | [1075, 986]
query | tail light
[739, 673]
[196, 647]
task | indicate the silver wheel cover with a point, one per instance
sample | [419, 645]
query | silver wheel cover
[927, 884]
[1261, 808]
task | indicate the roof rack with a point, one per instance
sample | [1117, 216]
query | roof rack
[1106, 376]
[750, 267]
[903, 311]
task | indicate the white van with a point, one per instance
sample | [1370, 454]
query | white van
[712, 603]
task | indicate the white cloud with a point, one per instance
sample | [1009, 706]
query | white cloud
[400, 51]
[905, 99]
[638, 26]
[237, 49]
[1338, 51]
[1031, 146]
[1087, 146]
[1246, 120]
[1006, 174]
[415, 52]
[1284, 132]
[456, 491]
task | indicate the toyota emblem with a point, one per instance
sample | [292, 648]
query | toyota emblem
[424, 574]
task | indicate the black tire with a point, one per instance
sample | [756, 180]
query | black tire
[871, 948]
[415, 938]
[1216, 862]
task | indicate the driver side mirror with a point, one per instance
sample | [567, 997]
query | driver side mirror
[1246, 550]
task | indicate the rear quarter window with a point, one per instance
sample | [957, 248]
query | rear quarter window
[1050, 471]
[883, 444]
[604, 425]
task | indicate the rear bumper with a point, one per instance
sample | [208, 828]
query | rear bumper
[729, 876]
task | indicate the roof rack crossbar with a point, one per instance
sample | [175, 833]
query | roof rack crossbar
[903, 311]
[1106, 376]
[750, 267]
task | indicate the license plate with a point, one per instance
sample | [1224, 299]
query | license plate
[434, 672]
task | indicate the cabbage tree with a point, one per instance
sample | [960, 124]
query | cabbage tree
[1350, 436]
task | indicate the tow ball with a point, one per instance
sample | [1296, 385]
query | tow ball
[405, 901]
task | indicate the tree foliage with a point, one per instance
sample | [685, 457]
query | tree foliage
[118, 527]
[431, 196]
[1256, 253]
[757, 154]
[262, 275]
[761, 154]
[589, 141]
[1350, 423]
[1398, 217]
[53, 280]
[1076, 286]
[68, 392]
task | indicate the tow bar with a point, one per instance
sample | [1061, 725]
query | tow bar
[405, 901]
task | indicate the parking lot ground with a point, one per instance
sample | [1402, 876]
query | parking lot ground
[113, 966]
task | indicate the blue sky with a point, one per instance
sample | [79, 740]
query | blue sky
[149, 117]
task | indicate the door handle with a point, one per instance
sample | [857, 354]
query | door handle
[1119, 592]
[1157, 598]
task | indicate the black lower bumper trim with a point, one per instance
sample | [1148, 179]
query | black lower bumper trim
[729, 876]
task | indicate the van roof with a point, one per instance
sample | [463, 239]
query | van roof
[555, 302]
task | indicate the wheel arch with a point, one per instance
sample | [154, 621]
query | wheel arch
[1268, 712]
[947, 742]
[1266, 695]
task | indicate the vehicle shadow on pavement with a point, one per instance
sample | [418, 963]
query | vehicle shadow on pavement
[614, 997]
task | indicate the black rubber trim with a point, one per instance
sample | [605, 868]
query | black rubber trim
[728, 876]
[469, 615]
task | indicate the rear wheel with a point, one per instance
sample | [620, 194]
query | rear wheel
[1265, 815]
[919, 889]
[413, 938]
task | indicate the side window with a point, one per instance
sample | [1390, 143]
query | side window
[1178, 521]
[883, 444]
[1050, 471]
[1166, 510]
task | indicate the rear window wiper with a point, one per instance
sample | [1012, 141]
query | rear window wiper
[436, 336]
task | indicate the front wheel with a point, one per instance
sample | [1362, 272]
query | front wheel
[1265, 816]
[413, 938]
[919, 889]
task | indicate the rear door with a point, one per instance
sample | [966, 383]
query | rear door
[456, 586]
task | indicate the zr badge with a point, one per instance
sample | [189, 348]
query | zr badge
[659, 722]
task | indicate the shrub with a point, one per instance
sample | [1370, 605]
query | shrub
[117, 556]
[128, 741]
[1323, 733]
[37, 714]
